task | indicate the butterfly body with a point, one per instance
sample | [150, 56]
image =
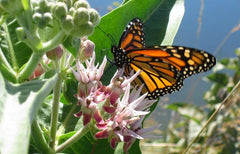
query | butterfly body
[163, 68]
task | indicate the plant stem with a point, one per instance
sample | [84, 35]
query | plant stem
[55, 109]
[39, 139]
[30, 66]
[10, 46]
[53, 43]
[73, 139]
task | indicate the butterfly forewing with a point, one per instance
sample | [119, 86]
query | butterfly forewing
[133, 35]
[188, 61]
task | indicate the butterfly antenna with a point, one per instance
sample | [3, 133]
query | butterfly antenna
[108, 35]
[112, 62]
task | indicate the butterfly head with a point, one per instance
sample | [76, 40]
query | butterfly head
[120, 57]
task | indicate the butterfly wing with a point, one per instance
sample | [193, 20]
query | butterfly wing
[165, 67]
[133, 36]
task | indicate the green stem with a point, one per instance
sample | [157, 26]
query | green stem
[2, 18]
[39, 139]
[30, 66]
[10, 46]
[53, 43]
[73, 139]
[55, 109]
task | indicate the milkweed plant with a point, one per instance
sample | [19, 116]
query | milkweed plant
[37, 108]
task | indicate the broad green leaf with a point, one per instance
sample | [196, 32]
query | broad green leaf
[19, 104]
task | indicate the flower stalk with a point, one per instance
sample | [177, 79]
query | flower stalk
[80, 133]
[55, 109]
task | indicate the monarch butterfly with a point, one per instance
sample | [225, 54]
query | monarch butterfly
[163, 68]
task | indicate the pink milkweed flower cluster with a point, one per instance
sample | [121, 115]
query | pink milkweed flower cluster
[119, 118]
[90, 89]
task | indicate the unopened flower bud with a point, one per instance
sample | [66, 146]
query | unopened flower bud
[56, 53]
[84, 30]
[42, 3]
[47, 17]
[67, 24]
[86, 50]
[37, 9]
[81, 16]
[42, 20]
[71, 11]
[21, 35]
[59, 10]
[37, 17]
[81, 3]
[94, 17]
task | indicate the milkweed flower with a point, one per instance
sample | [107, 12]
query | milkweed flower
[116, 88]
[90, 89]
[125, 124]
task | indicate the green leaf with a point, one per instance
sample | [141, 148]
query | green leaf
[70, 90]
[19, 104]
[160, 17]
[72, 44]
[162, 26]
[220, 78]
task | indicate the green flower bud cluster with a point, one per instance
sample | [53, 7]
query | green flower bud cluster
[42, 14]
[77, 19]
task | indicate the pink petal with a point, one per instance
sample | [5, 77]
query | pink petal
[114, 96]
[102, 134]
[127, 81]
[102, 125]
[101, 68]
[79, 114]
[86, 119]
[127, 138]
[97, 117]
[113, 142]
[109, 109]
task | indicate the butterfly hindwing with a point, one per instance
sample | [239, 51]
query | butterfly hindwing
[159, 77]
